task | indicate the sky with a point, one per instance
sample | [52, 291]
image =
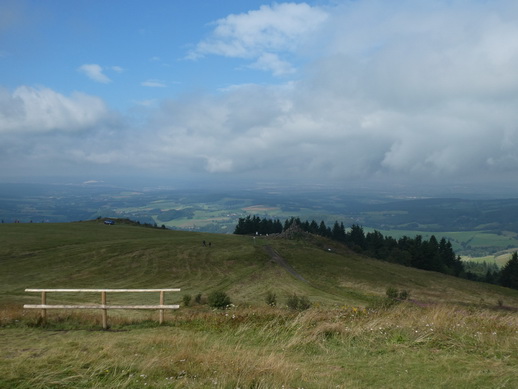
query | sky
[338, 92]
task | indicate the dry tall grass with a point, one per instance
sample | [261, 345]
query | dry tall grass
[405, 346]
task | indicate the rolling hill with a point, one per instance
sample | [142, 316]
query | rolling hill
[94, 255]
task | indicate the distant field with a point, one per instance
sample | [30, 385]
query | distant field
[259, 208]
[471, 245]
[476, 228]
[499, 259]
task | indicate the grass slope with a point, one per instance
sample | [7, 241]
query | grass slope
[94, 255]
[453, 334]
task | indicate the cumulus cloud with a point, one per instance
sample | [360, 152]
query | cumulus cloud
[418, 89]
[272, 63]
[94, 72]
[32, 110]
[43, 132]
[262, 34]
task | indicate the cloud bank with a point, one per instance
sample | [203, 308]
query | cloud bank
[423, 91]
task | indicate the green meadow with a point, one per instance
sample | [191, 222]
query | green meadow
[450, 332]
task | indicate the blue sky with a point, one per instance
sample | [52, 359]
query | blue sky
[400, 92]
[127, 52]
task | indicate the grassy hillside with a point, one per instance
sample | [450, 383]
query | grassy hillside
[453, 332]
[94, 255]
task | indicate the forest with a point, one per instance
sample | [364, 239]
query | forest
[432, 254]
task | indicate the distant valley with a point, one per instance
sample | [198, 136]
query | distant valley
[482, 228]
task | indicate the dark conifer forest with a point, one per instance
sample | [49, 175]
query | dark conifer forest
[432, 254]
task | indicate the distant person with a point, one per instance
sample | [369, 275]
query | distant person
[205, 244]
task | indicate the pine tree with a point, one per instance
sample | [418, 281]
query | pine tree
[356, 237]
[322, 229]
[509, 273]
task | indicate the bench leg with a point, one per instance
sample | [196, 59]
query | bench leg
[161, 313]
[104, 311]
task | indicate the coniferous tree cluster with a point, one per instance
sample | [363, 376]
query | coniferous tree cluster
[415, 252]
[255, 225]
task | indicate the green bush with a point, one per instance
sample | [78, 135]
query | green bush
[187, 300]
[392, 293]
[404, 295]
[293, 301]
[298, 303]
[198, 298]
[271, 299]
[304, 303]
[395, 294]
[219, 300]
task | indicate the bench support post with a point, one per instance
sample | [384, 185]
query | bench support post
[161, 312]
[104, 311]
[43, 311]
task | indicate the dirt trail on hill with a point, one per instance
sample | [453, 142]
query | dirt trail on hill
[274, 255]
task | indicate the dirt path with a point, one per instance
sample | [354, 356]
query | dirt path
[274, 255]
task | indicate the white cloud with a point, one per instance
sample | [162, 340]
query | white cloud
[262, 34]
[417, 90]
[43, 132]
[94, 72]
[35, 110]
[117, 69]
[216, 165]
[153, 84]
[272, 62]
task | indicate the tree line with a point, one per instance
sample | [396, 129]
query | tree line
[432, 254]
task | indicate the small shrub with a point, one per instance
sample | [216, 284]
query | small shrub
[392, 292]
[219, 300]
[293, 301]
[197, 299]
[404, 294]
[271, 299]
[298, 303]
[187, 300]
[304, 303]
